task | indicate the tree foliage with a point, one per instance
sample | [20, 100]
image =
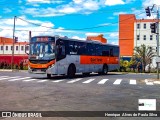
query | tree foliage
[144, 54]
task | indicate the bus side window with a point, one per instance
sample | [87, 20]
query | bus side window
[70, 44]
[105, 51]
[98, 50]
[116, 52]
[111, 51]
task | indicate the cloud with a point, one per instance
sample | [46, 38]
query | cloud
[78, 1]
[79, 38]
[114, 43]
[74, 6]
[114, 2]
[150, 2]
[22, 28]
[45, 1]
[68, 10]
[117, 13]
[114, 34]
[92, 34]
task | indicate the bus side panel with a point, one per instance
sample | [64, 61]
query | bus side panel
[75, 59]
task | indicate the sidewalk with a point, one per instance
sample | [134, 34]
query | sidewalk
[14, 70]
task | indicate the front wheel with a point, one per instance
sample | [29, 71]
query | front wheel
[71, 71]
[48, 75]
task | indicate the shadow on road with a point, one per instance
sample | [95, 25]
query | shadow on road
[59, 77]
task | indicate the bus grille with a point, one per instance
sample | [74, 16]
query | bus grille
[39, 61]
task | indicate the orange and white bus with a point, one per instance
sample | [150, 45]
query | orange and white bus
[55, 55]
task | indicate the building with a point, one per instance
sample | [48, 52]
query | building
[99, 38]
[6, 51]
[135, 32]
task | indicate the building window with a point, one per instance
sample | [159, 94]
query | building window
[22, 48]
[144, 25]
[144, 37]
[11, 47]
[151, 37]
[138, 26]
[16, 48]
[27, 48]
[1, 47]
[138, 37]
[6, 47]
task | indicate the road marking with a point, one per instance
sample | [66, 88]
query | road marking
[157, 82]
[58, 81]
[117, 82]
[148, 82]
[75, 80]
[132, 82]
[102, 81]
[42, 80]
[19, 79]
[88, 81]
[9, 78]
[28, 80]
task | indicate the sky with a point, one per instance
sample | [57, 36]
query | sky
[72, 18]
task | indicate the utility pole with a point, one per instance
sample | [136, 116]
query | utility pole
[157, 41]
[12, 60]
[155, 29]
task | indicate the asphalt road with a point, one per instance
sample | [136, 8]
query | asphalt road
[20, 91]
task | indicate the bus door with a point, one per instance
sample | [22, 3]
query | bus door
[61, 54]
[91, 54]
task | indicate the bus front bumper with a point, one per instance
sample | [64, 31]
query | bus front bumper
[37, 70]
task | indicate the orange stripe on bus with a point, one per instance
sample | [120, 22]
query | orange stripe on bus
[32, 65]
[98, 60]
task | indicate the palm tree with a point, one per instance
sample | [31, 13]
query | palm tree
[144, 55]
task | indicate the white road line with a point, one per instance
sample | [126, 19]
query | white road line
[56, 81]
[19, 79]
[28, 80]
[132, 82]
[42, 80]
[148, 82]
[102, 81]
[117, 82]
[157, 82]
[9, 78]
[75, 80]
[88, 81]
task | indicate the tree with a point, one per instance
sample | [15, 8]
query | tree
[144, 55]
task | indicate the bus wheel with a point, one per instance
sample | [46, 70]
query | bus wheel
[48, 75]
[105, 69]
[71, 71]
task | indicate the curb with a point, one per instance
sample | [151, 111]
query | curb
[9, 70]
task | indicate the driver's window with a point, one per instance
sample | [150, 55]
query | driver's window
[60, 50]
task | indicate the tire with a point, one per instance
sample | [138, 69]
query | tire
[105, 69]
[48, 75]
[71, 71]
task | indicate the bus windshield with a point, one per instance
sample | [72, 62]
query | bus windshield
[42, 50]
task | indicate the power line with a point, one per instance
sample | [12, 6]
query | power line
[99, 26]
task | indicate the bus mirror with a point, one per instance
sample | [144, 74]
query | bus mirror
[27, 49]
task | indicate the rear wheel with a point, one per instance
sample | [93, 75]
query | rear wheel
[105, 69]
[48, 75]
[71, 71]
